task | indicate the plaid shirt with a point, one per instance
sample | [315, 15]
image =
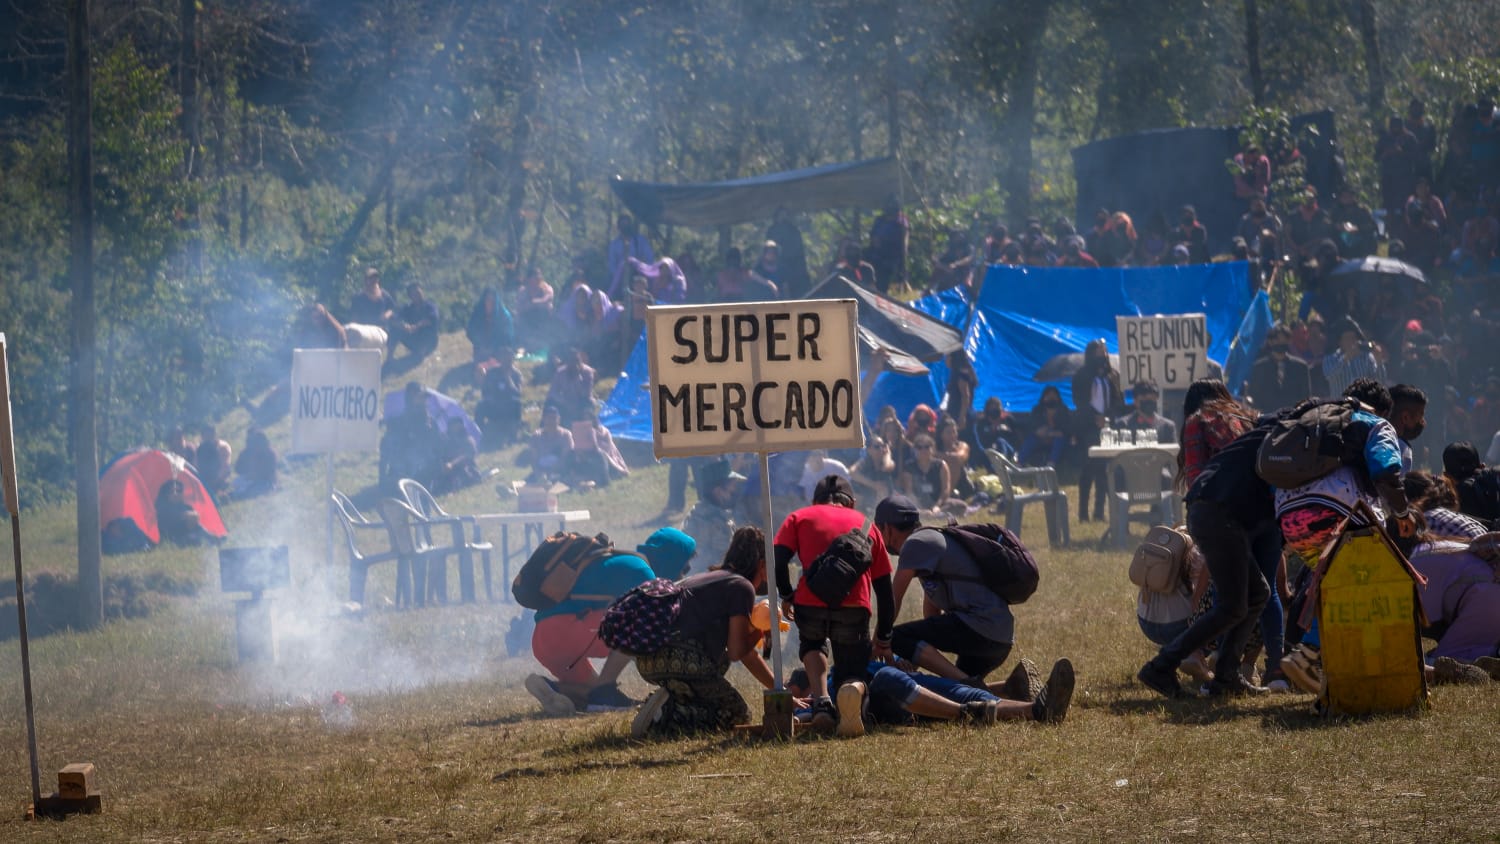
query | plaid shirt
[1203, 437]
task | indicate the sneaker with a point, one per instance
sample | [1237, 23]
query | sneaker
[1279, 686]
[1449, 670]
[609, 699]
[1490, 665]
[1304, 668]
[980, 712]
[1237, 687]
[553, 702]
[649, 714]
[1051, 704]
[1024, 682]
[851, 708]
[824, 717]
[1163, 681]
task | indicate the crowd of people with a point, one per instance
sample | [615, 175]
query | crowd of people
[851, 678]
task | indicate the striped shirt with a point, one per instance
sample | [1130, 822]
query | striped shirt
[1341, 371]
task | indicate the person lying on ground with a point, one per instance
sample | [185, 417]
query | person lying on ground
[900, 695]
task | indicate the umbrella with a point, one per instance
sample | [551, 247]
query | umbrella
[440, 409]
[1064, 366]
[1373, 269]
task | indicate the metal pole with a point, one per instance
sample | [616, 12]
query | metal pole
[328, 502]
[13, 505]
[36, 773]
[771, 593]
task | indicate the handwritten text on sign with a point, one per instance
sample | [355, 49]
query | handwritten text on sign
[1172, 350]
[335, 400]
[754, 376]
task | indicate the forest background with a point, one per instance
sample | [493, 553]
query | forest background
[251, 155]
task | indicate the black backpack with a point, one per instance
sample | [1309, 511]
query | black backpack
[833, 574]
[1005, 566]
[1308, 442]
[1479, 495]
[549, 574]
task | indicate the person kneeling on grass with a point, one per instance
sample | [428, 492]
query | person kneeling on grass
[960, 615]
[567, 635]
[841, 631]
[712, 630]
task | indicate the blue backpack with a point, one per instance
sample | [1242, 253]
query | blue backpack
[644, 619]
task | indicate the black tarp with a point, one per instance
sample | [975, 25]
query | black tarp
[909, 336]
[862, 184]
[1165, 169]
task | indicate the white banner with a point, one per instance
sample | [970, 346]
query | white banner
[754, 376]
[1171, 351]
[335, 400]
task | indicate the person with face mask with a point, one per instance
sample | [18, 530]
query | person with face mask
[1146, 414]
[1279, 378]
[1097, 398]
[1409, 417]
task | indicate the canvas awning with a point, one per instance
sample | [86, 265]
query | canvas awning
[861, 184]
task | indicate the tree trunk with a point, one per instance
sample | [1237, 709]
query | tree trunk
[520, 143]
[892, 78]
[1362, 12]
[1019, 123]
[187, 89]
[90, 611]
[1252, 53]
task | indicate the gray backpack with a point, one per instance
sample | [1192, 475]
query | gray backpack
[1307, 443]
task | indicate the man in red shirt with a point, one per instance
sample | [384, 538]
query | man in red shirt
[841, 632]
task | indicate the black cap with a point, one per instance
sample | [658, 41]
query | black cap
[1461, 459]
[898, 511]
[830, 487]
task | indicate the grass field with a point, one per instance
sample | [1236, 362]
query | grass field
[438, 741]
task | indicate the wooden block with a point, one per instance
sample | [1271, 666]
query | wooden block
[779, 715]
[76, 781]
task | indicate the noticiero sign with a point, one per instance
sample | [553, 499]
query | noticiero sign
[754, 376]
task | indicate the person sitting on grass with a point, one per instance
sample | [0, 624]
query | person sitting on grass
[712, 630]
[458, 454]
[176, 520]
[567, 635]
[961, 615]
[926, 479]
[255, 469]
[551, 448]
[1461, 599]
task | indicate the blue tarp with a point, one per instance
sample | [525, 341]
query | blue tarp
[627, 411]
[1247, 343]
[1026, 315]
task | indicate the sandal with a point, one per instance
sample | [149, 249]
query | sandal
[1304, 667]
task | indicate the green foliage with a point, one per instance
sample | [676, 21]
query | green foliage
[1270, 128]
[454, 143]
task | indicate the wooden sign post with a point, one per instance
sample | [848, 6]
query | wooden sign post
[757, 377]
